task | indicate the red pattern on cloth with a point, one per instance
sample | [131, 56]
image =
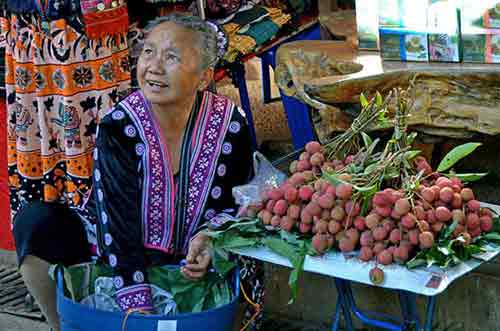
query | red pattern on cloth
[6, 239]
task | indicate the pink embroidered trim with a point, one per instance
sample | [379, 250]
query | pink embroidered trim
[157, 198]
[135, 296]
[217, 113]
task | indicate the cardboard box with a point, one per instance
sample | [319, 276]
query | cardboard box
[491, 16]
[444, 31]
[480, 14]
[492, 53]
[444, 47]
[474, 47]
[403, 44]
[481, 45]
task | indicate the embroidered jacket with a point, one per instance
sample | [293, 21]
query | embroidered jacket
[134, 188]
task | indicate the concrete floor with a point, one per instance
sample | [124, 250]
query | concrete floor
[14, 323]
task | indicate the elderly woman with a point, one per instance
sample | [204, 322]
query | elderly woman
[165, 162]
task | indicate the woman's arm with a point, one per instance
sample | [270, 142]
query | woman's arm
[117, 189]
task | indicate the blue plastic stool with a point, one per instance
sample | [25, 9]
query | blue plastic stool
[77, 317]
[297, 113]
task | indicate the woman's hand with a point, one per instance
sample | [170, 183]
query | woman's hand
[198, 258]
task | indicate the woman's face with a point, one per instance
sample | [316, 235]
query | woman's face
[168, 69]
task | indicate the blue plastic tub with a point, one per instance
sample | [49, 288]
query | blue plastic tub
[77, 317]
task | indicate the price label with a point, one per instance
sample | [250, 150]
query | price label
[167, 326]
[435, 280]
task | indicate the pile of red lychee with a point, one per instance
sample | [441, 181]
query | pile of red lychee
[397, 225]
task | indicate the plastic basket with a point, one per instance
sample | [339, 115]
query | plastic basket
[77, 317]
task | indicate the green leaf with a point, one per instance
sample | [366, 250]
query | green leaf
[370, 190]
[444, 250]
[282, 248]
[294, 275]
[295, 257]
[363, 101]
[456, 154]
[366, 139]
[391, 173]
[449, 230]
[221, 264]
[370, 168]
[411, 138]
[332, 178]
[468, 177]
[493, 236]
[414, 263]
[378, 99]
[365, 207]
[233, 240]
[410, 155]
[289, 237]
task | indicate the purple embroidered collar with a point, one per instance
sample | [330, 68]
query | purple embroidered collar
[158, 192]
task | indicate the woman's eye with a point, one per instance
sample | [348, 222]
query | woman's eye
[148, 51]
[172, 57]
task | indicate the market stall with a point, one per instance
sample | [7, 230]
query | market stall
[393, 221]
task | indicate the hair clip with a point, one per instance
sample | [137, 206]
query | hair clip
[222, 41]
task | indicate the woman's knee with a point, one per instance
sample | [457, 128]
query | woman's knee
[30, 217]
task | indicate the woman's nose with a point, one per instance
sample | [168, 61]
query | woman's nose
[156, 65]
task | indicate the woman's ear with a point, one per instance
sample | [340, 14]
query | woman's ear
[206, 78]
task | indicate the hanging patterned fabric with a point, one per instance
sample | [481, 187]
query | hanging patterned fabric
[251, 28]
[59, 83]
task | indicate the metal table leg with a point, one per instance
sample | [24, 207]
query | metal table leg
[408, 302]
[344, 304]
[336, 315]
[431, 308]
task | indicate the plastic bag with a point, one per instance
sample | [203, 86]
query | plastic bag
[163, 301]
[102, 299]
[266, 177]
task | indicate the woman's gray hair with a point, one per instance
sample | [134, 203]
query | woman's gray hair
[212, 41]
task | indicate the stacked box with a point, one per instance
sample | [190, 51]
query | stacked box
[444, 31]
[484, 14]
[403, 44]
[491, 17]
[402, 25]
[474, 47]
[480, 31]
[367, 24]
[492, 48]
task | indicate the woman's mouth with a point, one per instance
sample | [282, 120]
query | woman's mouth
[154, 84]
